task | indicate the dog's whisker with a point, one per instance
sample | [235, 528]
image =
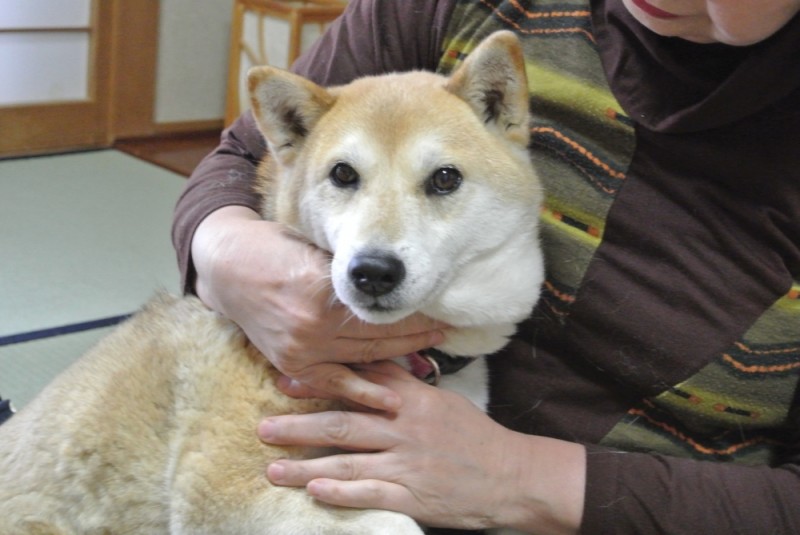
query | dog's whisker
[350, 315]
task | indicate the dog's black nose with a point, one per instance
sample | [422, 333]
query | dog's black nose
[375, 274]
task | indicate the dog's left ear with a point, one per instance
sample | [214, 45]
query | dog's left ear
[286, 107]
[492, 80]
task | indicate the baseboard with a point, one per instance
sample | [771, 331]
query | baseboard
[186, 127]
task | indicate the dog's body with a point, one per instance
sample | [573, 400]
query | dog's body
[421, 188]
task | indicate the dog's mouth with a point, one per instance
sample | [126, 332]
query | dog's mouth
[388, 308]
[378, 310]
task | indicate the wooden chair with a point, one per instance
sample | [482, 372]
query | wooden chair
[247, 49]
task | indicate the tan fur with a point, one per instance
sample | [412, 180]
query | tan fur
[153, 431]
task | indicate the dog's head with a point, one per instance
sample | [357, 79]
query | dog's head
[420, 186]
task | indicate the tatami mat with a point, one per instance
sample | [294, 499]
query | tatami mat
[27, 367]
[83, 237]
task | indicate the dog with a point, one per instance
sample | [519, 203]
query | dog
[421, 188]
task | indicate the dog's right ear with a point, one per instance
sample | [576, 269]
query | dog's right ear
[286, 107]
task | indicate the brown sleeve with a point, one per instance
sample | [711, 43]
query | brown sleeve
[638, 493]
[369, 38]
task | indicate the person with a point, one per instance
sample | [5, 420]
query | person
[655, 387]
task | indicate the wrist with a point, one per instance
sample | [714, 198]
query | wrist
[546, 485]
[213, 251]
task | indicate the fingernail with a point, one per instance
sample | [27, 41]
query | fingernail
[285, 382]
[266, 430]
[437, 337]
[316, 488]
[287, 385]
[276, 472]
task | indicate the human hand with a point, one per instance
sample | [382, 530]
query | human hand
[277, 289]
[438, 459]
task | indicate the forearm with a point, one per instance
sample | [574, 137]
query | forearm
[223, 178]
[636, 493]
[211, 238]
[564, 488]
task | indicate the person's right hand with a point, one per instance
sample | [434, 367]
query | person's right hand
[277, 288]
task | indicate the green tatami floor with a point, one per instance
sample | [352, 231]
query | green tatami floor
[84, 239]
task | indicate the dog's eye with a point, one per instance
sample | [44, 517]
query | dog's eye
[344, 176]
[443, 181]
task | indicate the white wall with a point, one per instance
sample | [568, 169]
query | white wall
[276, 47]
[192, 60]
[194, 40]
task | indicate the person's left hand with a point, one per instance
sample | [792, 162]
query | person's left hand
[439, 459]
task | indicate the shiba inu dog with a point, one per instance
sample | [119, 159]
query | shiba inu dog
[421, 188]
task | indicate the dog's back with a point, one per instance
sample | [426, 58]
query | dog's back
[100, 434]
[153, 431]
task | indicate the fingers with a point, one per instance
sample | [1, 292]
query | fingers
[365, 481]
[366, 343]
[336, 381]
[346, 430]
[362, 494]
[359, 342]
[339, 467]
[355, 328]
[345, 484]
[353, 480]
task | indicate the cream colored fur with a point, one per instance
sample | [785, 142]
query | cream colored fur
[153, 431]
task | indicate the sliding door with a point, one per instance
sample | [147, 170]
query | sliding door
[55, 64]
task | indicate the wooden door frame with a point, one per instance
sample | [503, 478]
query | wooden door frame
[134, 57]
[134, 65]
[133, 78]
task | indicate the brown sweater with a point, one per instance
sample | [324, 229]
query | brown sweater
[668, 336]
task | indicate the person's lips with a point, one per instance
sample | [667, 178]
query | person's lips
[653, 11]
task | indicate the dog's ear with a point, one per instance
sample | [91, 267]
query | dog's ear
[286, 107]
[492, 80]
